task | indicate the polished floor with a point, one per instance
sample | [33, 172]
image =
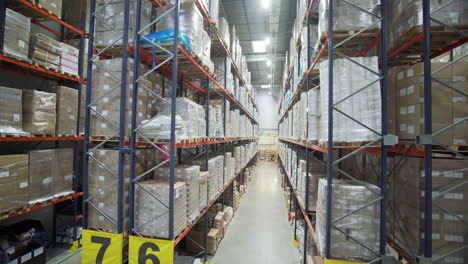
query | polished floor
[258, 234]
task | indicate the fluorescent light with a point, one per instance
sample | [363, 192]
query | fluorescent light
[269, 76]
[270, 94]
[267, 41]
[268, 62]
[265, 4]
[259, 46]
[265, 86]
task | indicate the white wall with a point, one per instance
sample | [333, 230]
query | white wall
[268, 111]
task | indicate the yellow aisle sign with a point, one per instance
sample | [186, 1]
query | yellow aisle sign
[150, 251]
[102, 248]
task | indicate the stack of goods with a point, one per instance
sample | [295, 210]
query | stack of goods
[45, 51]
[448, 106]
[39, 112]
[53, 6]
[11, 110]
[69, 59]
[317, 171]
[349, 18]
[190, 175]
[203, 198]
[363, 225]
[219, 167]
[190, 26]
[212, 122]
[151, 216]
[110, 25]
[449, 210]
[67, 109]
[214, 11]
[106, 91]
[190, 113]
[41, 175]
[197, 238]
[408, 14]
[14, 173]
[63, 172]
[212, 175]
[224, 34]
[16, 35]
[229, 173]
[314, 115]
[102, 187]
[218, 116]
[364, 107]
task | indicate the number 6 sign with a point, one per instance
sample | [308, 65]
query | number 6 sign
[150, 251]
[101, 247]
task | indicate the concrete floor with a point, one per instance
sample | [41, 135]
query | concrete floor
[259, 232]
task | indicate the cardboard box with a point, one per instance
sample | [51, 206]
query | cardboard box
[39, 112]
[213, 240]
[460, 71]
[41, 175]
[14, 170]
[53, 6]
[63, 172]
[69, 59]
[45, 51]
[16, 36]
[11, 110]
[67, 110]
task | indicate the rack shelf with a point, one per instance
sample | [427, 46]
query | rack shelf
[180, 144]
[188, 228]
[25, 139]
[42, 205]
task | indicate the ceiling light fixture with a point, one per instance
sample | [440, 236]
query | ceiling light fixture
[259, 46]
[268, 62]
[269, 76]
[267, 41]
[265, 86]
[265, 4]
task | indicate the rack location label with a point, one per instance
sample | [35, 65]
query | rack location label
[150, 251]
[102, 248]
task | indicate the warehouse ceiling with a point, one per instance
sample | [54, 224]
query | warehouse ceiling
[253, 22]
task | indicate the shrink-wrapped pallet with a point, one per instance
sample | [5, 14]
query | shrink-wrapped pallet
[41, 175]
[152, 216]
[69, 59]
[224, 31]
[53, 6]
[63, 172]
[14, 173]
[190, 112]
[39, 112]
[204, 175]
[190, 175]
[45, 51]
[363, 225]
[110, 25]
[364, 106]
[67, 109]
[16, 35]
[11, 110]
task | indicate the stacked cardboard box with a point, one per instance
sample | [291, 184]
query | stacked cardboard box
[190, 175]
[45, 51]
[314, 114]
[41, 175]
[406, 212]
[197, 238]
[39, 112]
[69, 59]
[203, 193]
[362, 225]
[191, 113]
[63, 172]
[67, 109]
[11, 112]
[53, 6]
[14, 186]
[152, 217]
[448, 106]
[16, 38]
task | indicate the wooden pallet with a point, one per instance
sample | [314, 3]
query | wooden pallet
[441, 38]
[41, 65]
[41, 135]
[12, 211]
[108, 139]
[69, 74]
[7, 135]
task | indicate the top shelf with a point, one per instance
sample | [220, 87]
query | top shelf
[30, 9]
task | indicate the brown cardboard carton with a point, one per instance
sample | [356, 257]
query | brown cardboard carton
[213, 240]
[460, 111]
[13, 182]
[218, 221]
[63, 172]
[41, 171]
[53, 6]
[460, 71]
[39, 112]
[67, 110]
[11, 113]
[16, 35]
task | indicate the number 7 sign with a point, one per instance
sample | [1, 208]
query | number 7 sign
[101, 248]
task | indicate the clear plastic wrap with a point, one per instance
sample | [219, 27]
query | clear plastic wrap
[11, 111]
[203, 198]
[364, 106]
[224, 31]
[190, 175]
[160, 127]
[16, 35]
[407, 14]
[67, 109]
[45, 51]
[189, 111]
[347, 17]
[14, 186]
[314, 113]
[110, 24]
[69, 59]
[363, 225]
[53, 6]
[39, 112]
[63, 172]
[41, 175]
[151, 216]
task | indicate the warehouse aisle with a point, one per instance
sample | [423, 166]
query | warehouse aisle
[259, 232]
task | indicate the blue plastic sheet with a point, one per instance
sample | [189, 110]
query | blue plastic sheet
[165, 37]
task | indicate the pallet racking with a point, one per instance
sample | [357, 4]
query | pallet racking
[182, 67]
[418, 46]
[39, 16]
